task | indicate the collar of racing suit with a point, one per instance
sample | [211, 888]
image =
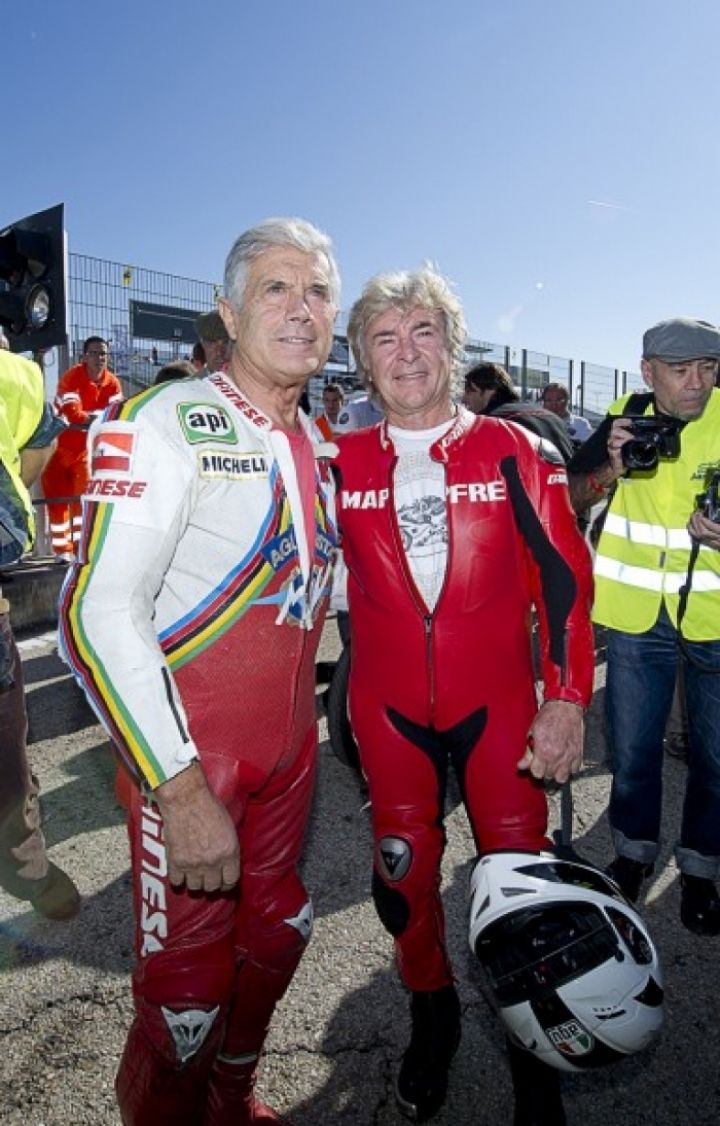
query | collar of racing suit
[440, 449]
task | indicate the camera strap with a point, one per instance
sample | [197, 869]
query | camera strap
[563, 846]
[637, 403]
[682, 605]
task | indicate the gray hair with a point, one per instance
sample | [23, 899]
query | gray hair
[406, 290]
[276, 232]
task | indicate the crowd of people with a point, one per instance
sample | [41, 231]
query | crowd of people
[214, 510]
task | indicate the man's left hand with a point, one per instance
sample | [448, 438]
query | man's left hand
[555, 742]
[705, 531]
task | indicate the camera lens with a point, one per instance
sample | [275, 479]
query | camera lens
[639, 455]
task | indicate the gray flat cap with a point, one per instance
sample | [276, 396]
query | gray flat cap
[209, 326]
[681, 338]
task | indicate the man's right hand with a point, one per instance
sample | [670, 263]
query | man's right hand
[587, 489]
[620, 434]
[201, 839]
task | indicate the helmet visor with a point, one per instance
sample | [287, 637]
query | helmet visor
[533, 951]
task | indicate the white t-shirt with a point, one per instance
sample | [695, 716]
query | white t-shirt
[420, 507]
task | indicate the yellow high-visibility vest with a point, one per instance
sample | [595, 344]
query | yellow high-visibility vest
[644, 550]
[22, 397]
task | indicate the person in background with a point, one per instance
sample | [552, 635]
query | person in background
[83, 393]
[214, 341]
[28, 430]
[334, 419]
[197, 358]
[656, 541]
[192, 620]
[177, 369]
[488, 385]
[489, 390]
[556, 398]
[454, 527]
[362, 411]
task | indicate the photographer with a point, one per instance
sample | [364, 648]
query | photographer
[658, 452]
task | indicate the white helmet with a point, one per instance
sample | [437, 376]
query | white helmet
[570, 964]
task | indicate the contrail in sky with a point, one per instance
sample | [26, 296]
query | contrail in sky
[601, 203]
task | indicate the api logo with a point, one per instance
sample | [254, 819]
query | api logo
[571, 1038]
[200, 423]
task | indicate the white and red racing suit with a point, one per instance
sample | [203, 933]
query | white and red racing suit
[456, 684]
[192, 619]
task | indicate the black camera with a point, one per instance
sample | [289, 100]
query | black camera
[654, 436]
[708, 503]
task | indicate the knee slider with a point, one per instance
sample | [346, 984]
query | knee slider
[177, 1031]
[190, 1028]
[393, 859]
[182, 996]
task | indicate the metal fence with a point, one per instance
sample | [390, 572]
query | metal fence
[114, 301]
[148, 318]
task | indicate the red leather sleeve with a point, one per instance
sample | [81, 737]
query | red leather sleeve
[559, 573]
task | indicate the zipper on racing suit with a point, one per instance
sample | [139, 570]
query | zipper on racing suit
[426, 614]
[427, 625]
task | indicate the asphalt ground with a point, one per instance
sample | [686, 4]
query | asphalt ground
[339, 1033]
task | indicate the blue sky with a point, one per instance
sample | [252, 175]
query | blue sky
[557, 159]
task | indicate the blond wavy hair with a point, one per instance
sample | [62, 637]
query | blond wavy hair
[406, 290]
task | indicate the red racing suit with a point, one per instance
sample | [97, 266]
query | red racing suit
[192, 619]
[78, 399]
[456, 684]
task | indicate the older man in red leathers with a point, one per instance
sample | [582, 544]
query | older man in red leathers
[192, 619]
[83, 393]
[455, 528]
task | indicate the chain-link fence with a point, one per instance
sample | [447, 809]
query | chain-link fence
[148, 318]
